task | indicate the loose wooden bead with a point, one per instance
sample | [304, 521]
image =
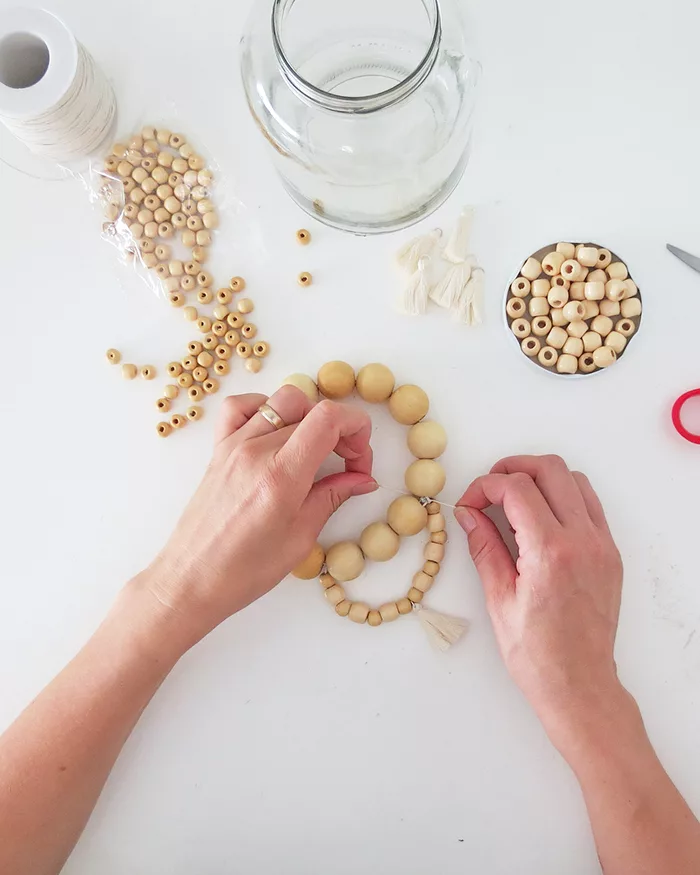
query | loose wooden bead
[306, 385]
[604, 258]
[551, 263]
[204, 296]
[210, 342]
[159, 175]
[179, 221]
[124, 168]
[205, 205]
[244, 350]
[178, 421]
[189, 207]
[165, 159]
[194, 347]
[577, 291]
[129, 371]
[245, 306]
[591, 340]
[615, 290]
[113, 356]
[431, 568]
[261, 349]
[211, 386]
[610, 308]
[547, 356]
[617, 271]
[194, 393]
[150, 260]
[540, 288]
[358, 612]
[219, 328]
[560, 281]
[597, 276]
[164, 192]
[603, 325]
[407, 516]
[335, 379]
[408, 404]
[531, 346]
[531, 269]
[305, 279]
[577, 328]
[616, 340]
[131, 211]
[422, 582]
[520, 287]
[541, 326]
[404, 605]
[630, 308]
[174, 178]
[574, 310]
[204, 324]
[203, 238]
[136, 230]
[171, 391]
[200, 254]
[180, 166]
[148, 372]
[148, 186]
[558, 318]
[187, 283]
[221, 312]
[515, 308]
[573, 271]
[164, 429]
[111, 164]
[568, 250]
[335, 594]
[249, 331]
[211, 220]
[425, 477]
[389, 612]
[591, 309]
[163, 404]
[439, 537]
[223, 351]
[625, 327]
[567, 364]
[379, 542]
[185, 380]
[586, 363]
[520, 327]
[150, 230]
[190, 314]
[204, 358]
[375, 383]
[436, 522]
[433, 507]
[254, 365]
[595, 291]
[604, 356]
[537, 306]
[630, 288]
[174, 369]
[345, 561]
[232, 338]
[189, 363]
[588, 256]
[556, 338]
[427, 440]
[175, 268]
[221, 368]
[557, 297]
[204, 279]
[176, 299]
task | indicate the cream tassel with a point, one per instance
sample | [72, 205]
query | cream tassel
[415, 297]
[442, 630]
[457, 247]
[415, 249]
[447, 293]
[470, 304]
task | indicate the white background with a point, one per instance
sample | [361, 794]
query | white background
[292, 741]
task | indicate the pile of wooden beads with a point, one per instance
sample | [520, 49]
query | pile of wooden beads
[407, 515]
[573, 308]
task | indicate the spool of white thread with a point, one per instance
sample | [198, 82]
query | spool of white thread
[53, 97]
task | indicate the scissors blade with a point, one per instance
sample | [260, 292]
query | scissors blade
[691, 260]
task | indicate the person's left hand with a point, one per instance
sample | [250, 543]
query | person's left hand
[259, 511]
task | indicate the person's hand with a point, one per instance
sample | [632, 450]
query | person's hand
[555, 611]
[259, 511]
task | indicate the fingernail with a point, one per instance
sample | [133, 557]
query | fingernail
[466, 519]
[365, 488]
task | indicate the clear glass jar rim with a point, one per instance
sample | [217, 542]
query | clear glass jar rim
[363, 103]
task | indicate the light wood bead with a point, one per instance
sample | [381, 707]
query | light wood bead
[136, 230]
[305, 384]
[204, 296]
[232, 337]
[326, 580]
[436, 522]
[425, 477]
[203, 237]
[610, 308]
[129, 371]
[174, 369]
[311, 566]
[560, 282]
[151, 230]
[408, 404]
[577, 328]
[389, 612]
[146, 245]
[574, 311]
[113, 356]
[336, 380]
[196, 162]
[591, 309]
[190, 314]
[415, 595]
[407, 516]
[179, 165]
[254, 365]
[159, 175]
[164, 429]
[594, 291]
[163, 404]
[200, 254]
[189, 363]
[249, 331]
[204, 279]
[186, 151]
[210, 342]
[435, 552]
[223, 351]
[567, 364]
[345, 561]
[616, 341]
[304, 278]
[131, 211]
[211, 220]
[577, 291]
[625, 327]
[521, 328]
[630, 308]
[219, 328]
[221, 368]
[591, 341]
[205, 177]
[520, 287]
[221, 312]
[204, 358]
[205, 205]
[188, 283]
[433, 507]
[603, 325]
[604, 258]
[557, 297]
[174, 179]
[195, 393]
[374, 618]
[185, 380]
[261, 349]
[404, 605]
[439, 537]
[204, 324]
[164, 192]
[139, 175]
[551, 263]
[615, 290]
[422, 581]
[178, 421]
[531, 346]
[516, 307]
[177, 299]
[148, 187]
[179, 221]
[211, 386]
[604, 356]
[171, 391]
[375, 383]
[200, 374]
[617, 271]
[541, 326]
[335, 594]
[597, 276]
[431, 568]
[125, 169]
[588, 256]
[199, 192]
[538, 307]
[631, 289]
[149, 260]
[164, 159]
[573, 271]
[531, 269]
[586, 363]
[568, 250]
[224, 296]
[342, 609]
[547, 356]
[379, 542]
[359, 612]
[246, 306]
[540, 288]
[557, 337]
[427, 440]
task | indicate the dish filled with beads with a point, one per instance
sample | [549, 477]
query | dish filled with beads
[573, 308]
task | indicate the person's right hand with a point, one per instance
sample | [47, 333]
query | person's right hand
[555, 611]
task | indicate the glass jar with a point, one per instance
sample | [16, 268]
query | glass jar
[368, 104]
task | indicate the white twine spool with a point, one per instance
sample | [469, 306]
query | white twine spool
[53, 97]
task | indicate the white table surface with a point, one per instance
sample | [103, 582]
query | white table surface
[291, 741]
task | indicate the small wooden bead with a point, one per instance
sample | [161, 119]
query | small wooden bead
[131, 211]
[237, 283]
[531, 269]
[588, 256]
[249, 331]
[204, 296]
[174, 369]
[551, 263]
[547, 356]
[165, 159]
[389, 612]
[586, 363]
[625, 327]
[567, 364]
[113, 356]
[125, 169]
[425, 477]
[159, 175]
[174, 178]
[408, 405]
[379, 542]
[221, 312]
[431, 568]
[591, 309]
[211, 220]
[574, 310]
[244, 350]
[245, 306]
[531, 346]
[515, 308]
[577, 328]
[560, 281]
[374, 618]
[261, 349]
[358, 612]
[136, 230]
[194, 347]
[196, 162]
[603, 325]
[305, 279]
[433, 507]
[147, 245]
[604, 258]
[303, 237]
[223, 351]
[422, 581]
[164, 429]
[221, 368]
[232, 337]
[148, 187]
[129, 371]
[415, 595]
[204, 324]
[164, 192]
[194, 393]
[190, 314]
[540, 288]
[305, 384]
[610, 308]
[617, 270]
[150, 230]
[342, 609]
[175, 268]
[541, 326]
[616, 340]
[205, 205]
[203, 238]
[139, 175]
[604, 356]
[205, 177]
[111, 164]
[573, 271]
[631, 289]
[199, 192]
[597, 276]
[520, 287]
[163, 404]
[568, 250]
[179, 221]
[253, 365]
[557, 297]
[200, 254]
[187, 283]
[178, 421]
[335, 379]
[615, 290]
[204, 358]
[591, 340]
[177, 299]
[595, 291]
[189, 363]
[171, 391]
[211, 386]
[326, 580]
[404, 605]
[210, 342]
[630, 308]
[436, 522]
[180, 166]
[185, 380]
[558, 318]
[345, 561]
[439, 537]
[407, 516]
[427, 440]
[556, 338]
[335, 594]
[219, 328]
[577, 291]
[189, 207]
[521, 327]
[375, 383]
[435, 552]
[538, 307]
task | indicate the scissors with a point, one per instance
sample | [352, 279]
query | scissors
[694, 262]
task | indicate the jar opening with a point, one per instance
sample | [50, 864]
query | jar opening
[355, 57]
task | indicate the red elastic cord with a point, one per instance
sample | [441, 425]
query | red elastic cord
[676, 417]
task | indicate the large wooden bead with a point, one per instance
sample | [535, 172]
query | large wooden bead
[379, 542]
[312, 565]
[375, 383]
[407, 516]
[305, 383]
[427, 440]
[345, 561]
[336, 380]
[389, 612]
[359, 612]
[425, 477]
[408, 404]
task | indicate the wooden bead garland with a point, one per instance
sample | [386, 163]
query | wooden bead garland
[407, 515]
[157, 198]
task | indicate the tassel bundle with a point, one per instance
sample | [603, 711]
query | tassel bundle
[411, 254]
[442, 630]
[415, 297]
